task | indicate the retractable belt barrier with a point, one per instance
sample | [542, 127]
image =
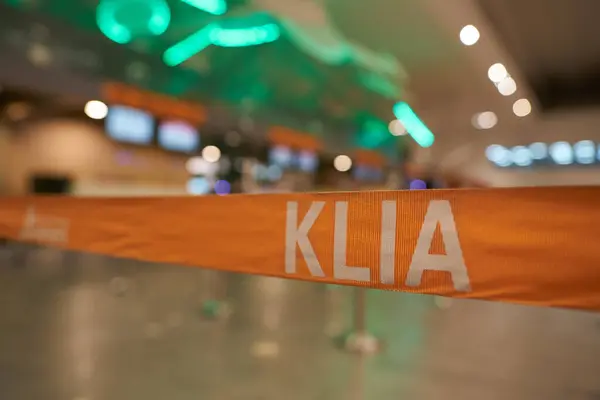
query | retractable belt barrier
[533, 246]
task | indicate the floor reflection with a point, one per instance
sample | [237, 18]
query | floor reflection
[76, 326]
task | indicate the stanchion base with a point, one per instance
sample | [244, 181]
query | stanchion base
[360, 343]
[443, 303]
[214, 309]
[334, 330]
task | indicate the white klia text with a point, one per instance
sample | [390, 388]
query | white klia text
[438, 212]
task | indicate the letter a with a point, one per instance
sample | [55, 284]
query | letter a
[299, 234]
[439, 211]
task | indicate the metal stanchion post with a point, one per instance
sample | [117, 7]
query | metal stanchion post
[337, 323]
[356, 385]
[443, 303]
[360, 340]
[5, 249]
[19, 253]
[215, 305]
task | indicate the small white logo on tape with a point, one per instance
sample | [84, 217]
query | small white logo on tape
[41, 228]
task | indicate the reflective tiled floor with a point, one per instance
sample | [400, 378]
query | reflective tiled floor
[76, 326]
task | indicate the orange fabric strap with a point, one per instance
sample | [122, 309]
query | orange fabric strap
[531, 246]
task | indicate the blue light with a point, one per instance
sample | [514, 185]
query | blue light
[499, 155]
[585, 152]
[198, 186]
[222, 188]
[522, 156]
[539, 151]
[561, 153]
[417, 184]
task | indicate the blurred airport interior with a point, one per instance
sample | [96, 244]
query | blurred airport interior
[127, 98]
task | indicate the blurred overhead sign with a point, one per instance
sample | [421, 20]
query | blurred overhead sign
[159, 105]
[283, 136]
[370, 158]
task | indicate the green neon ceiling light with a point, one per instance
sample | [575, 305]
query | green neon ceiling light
[413, 124]
[372, 133]
[189, 46]
[214, 7]
[328, 45]
[106, 17]
[320, 38]
[217, 35]
[243, 37]
[379, 84]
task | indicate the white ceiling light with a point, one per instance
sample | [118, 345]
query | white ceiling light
[233, 139]
[39, 55]
[199, 166]
[522, 156]
[469, 35]
[342, 163]
[397, 128]
[561, 153]
[95, 109]
[522, 108]
[211, 154]
[485, 120]
[507, 87]
[499, 155]
[539, 150]
[585, 152]
[497, 73]
[18, 111]
[195, 165]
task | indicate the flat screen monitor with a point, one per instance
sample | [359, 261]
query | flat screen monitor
[129, 125]
[178, 136]
[307, 161]
[281, 156]
[367, 173]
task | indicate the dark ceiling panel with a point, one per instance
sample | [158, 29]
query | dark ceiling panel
[556, 44]
[17, 71]
[283, 84]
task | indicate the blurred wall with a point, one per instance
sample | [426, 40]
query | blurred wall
[94, 163]
[467, 158]
[4, 162]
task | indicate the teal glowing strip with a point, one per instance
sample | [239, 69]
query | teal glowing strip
[243, 37]
[413, 124]
[106, 18]
[189, 46]
[213, 34]
[214, 7]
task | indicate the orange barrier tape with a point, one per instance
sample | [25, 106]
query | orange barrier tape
[531, 246]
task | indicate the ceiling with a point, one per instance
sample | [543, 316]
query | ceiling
[556, 44]
[548, 46]
[278, 76]
[444, 83]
